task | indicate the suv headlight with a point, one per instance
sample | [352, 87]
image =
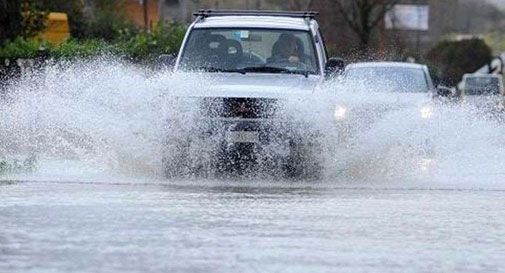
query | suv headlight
[340, 113]
[500, 106]
[426, 111]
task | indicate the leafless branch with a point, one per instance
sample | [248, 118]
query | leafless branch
[387, 6]
[363, 16]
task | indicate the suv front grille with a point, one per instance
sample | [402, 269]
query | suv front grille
[250, 108]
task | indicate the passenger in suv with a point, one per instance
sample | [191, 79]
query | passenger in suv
[255, 61]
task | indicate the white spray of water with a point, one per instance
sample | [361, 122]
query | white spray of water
[456, 146]
[104, 115]
[103, 119]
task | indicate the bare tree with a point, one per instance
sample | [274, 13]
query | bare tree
[298, 4]
[363, 16]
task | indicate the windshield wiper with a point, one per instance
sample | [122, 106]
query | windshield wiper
[273, 69]
[217, 69]
[259, 69]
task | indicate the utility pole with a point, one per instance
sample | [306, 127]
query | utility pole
[146, 19]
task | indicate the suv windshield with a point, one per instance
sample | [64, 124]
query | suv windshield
[482, 86]
[388, 79]
[250, 50]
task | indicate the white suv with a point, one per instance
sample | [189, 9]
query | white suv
[254, 60]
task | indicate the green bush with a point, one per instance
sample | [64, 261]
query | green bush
[452, 59]
[80, 49]
[137, 46]
[22, 48]
[162, 40]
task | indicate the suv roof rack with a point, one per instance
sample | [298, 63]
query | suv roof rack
[204, 13]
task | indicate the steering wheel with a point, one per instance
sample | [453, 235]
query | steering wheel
[285, 63]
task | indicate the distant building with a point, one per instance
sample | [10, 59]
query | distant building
[174, 10]
[439, 24]
[136, 12]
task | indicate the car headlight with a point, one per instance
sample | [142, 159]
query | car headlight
[426, 111]
[340, 112]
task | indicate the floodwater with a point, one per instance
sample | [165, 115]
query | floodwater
[96, 200]
[121, 227]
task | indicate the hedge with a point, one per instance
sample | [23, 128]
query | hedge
[137, 46]
[455, 58]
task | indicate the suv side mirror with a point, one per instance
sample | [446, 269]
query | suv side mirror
[334, 66]
[166, 61]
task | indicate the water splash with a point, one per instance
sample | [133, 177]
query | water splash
[106, 119]
[101, 113]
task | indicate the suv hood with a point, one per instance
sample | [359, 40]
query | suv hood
[254, 85]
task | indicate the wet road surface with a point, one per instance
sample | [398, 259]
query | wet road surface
[121, 227]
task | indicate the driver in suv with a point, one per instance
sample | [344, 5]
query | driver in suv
[285, 50]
